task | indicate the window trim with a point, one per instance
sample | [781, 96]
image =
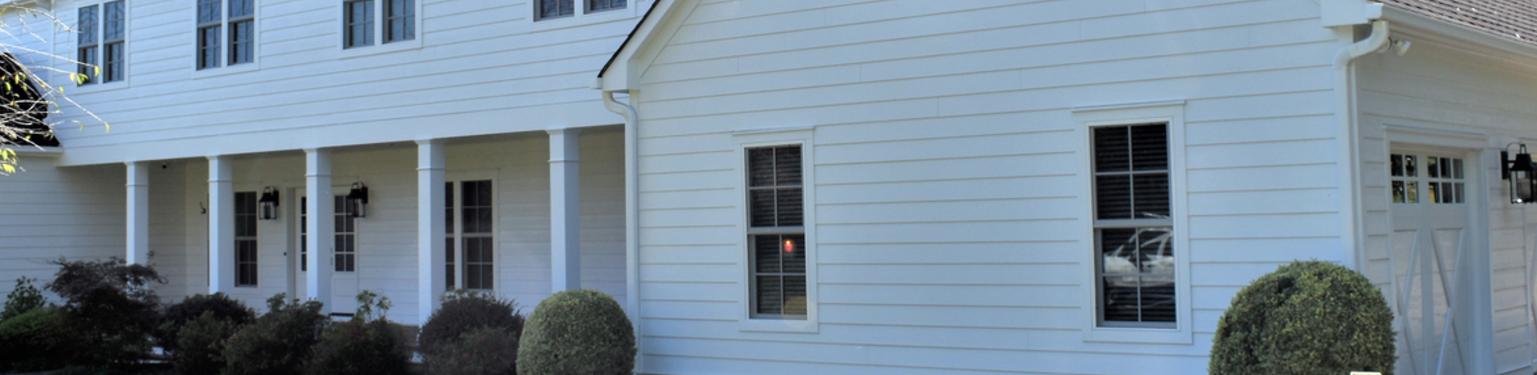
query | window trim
[340, 193]
[98, 83]
[379, 46]
[1170, 113]
[255, 238]
[580, 16]
[224, 67]
[804, 137]
[498, 251]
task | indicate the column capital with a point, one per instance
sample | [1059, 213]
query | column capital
[565, 131]
[429, 141]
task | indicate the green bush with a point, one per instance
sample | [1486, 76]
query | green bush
[202, 341]
[113, 305]
[219, 306]
[482, 351]
[1305, 318]
[279, 342]
[22, 299]
[577, 332]
[366, 345]
[39, 339]
[461, 314]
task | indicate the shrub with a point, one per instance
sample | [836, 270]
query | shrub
[39, 339]
[218, 306]
[112, 305]
[460, 314]
[202, 341]
[23, 298]
[577, 332]
[1305, 318]
[367, 344]
[482, 351]
[277, 343]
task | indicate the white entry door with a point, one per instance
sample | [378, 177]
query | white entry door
[344, 276]
[1431, 241]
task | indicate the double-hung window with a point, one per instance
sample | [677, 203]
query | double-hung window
[346, 235]
[1133, 229]
[216, 16]
[472, 238]
[392, 20]
[245, 239]
[101, 44]
[776, 232]
[552, 9]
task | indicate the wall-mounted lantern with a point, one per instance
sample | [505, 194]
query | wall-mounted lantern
[358, 199]
[268, 204]
[1519, 173]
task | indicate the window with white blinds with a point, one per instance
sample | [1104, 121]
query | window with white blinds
[776, 234]
[1132, 225]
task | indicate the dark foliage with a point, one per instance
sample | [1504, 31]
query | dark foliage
[23, 298]
[577, 332]
[112, 305]
[202, 341]
[1305, 318]
[37, 340]
[279, 342]
[482, 351]
[462, 313]
[360, 348]
[221, 307]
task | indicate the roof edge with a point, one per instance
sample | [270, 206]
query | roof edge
[627, 38]
[1457, 33]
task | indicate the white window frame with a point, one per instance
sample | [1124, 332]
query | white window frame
[337, 232]
[97, 83]
[746, 139]
[457, 178]
[224, 67]
[580, 16]
[379, 46]
[1089, 118]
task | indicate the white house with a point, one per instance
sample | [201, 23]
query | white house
[813, 186]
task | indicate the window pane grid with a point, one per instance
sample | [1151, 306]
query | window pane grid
[245, 239]
[477, 242]
[86, 49]
[345, 254]
[555, 8]
[1133, 228]
[776, 236]
[602, 5]
[399, 20]
[358, 28]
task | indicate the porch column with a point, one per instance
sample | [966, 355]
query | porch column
[137, 187]
[430, 227]
[321, 238]
[565, 210]
[221, 225]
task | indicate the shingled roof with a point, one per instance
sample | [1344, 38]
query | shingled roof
[1513, 19]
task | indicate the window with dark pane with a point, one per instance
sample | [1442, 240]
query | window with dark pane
[775, 235]
[448, 246]
[399, 20]
[245, 239]
[242, 31]
[476, 212]
[113, 37]
[546, 9]
[87, 43]
[602, 5]
[304, 225]
[210, 25]
[1134, 243]
[345, 253]
[357, 23]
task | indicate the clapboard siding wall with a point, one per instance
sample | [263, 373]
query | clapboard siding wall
[1450, 89]
[946, 160]
[386, 239]
[54, 213]
[484, 67]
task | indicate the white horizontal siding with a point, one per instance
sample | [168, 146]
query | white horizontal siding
[947, 172]
[54, 213]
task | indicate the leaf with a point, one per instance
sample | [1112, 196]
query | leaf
[98, 70]
[7, 168]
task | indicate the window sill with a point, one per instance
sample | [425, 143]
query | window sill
[779, 326]
[98, 87]
[225, 70]
[1138, 335]
[380, 49]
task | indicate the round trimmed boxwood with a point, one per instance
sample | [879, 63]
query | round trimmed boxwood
[1305, 318]
[577, 332]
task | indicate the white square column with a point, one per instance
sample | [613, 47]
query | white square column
[221, 225]
[565, 210]
[137, 200]
[430, 227]
[321, 226]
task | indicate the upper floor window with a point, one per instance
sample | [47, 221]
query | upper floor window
[549, 9]
[392, 20]
[100, 47]
[1133, 226]
[214, 17]
[776, 234]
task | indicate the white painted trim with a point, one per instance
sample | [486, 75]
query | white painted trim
[137, 211]
[430, 227]
[224, 67]
[565, 210]
[579, 16]
[379, 46]
[221, 224]
[101, 47]
[806, 139]
[1171, 112]
[321, 234]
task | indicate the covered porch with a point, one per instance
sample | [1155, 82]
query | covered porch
[518, 215]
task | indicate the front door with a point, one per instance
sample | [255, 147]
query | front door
[344, 276]
[1431, 242]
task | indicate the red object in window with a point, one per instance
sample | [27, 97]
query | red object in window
[789, 246]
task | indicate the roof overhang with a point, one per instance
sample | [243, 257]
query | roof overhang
[616, 73]
[1421, 26]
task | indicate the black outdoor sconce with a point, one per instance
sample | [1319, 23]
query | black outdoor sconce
[358, 198]
[268, 203]
[1518, 172]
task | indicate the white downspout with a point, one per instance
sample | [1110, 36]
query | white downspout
[631, 209]
[1345, 114]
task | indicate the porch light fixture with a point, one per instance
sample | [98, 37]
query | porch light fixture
[1519, 173]
[268, 203]
[358, 198]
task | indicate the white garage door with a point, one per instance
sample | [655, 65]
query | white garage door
[1430, 243]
